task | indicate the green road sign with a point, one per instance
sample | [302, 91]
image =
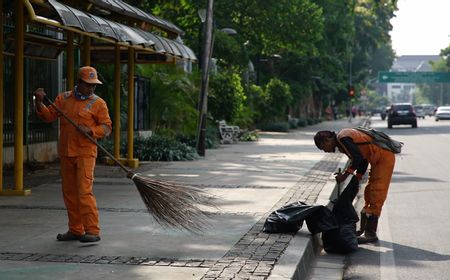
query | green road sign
[413, 77]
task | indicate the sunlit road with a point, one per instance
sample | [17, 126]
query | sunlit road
[414, 228]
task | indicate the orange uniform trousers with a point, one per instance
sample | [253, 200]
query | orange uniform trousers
[77, 175]
[377, 187]
[381, 168]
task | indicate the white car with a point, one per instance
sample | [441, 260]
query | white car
[442, 113]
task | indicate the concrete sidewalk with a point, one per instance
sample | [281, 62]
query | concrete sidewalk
[248, 180]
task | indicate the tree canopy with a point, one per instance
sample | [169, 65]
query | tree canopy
[318, 48]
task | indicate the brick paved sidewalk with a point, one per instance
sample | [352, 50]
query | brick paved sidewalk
[256, 253]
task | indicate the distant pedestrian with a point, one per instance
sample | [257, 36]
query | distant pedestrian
[335, 112]
[356, 145]
[354, 111]
[77, 153]
[328, 112]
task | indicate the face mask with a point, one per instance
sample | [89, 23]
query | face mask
[78, 95]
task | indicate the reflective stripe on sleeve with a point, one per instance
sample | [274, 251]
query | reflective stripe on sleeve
[106, 129]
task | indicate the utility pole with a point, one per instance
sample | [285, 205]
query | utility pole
[205, 62]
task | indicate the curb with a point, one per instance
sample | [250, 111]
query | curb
[332, 266]
[298, 260]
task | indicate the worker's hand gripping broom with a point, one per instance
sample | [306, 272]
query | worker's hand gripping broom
[171, 204]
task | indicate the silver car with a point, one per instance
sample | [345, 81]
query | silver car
[442, 113]
[420, 113]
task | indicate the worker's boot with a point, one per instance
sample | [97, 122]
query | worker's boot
[363, 222]
[370, 233]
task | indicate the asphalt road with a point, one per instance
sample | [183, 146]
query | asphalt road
[414, 228]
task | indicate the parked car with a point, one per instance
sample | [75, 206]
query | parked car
[420, 113]
[401, 113]
[442, 113]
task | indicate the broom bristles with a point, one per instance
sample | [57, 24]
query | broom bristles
[172, 204]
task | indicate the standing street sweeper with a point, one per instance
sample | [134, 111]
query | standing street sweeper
[77, 153]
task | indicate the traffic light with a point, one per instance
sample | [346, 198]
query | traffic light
[351, 91]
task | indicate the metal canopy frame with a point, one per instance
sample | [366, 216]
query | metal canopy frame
[36, 46]
[72, 19]
[123, 8]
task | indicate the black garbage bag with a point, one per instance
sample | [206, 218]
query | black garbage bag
[343, 209]
[290, 217]
[338, 226]
[343, 239]
[321, 220]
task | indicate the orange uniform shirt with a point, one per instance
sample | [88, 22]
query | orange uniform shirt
[91, 112]
[371, 152]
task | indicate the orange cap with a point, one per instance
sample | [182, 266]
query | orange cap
[89, 75]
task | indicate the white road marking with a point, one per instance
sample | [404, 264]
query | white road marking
[387, 261]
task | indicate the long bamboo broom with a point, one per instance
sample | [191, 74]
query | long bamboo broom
[171, 204]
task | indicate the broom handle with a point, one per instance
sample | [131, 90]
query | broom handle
[88, 136]
[339, 185]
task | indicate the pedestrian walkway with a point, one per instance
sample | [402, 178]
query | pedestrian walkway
[247, 180]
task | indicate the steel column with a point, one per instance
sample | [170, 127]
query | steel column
[116, 125]
[130, 154]
[86, 56]
[70, 61]
[1, 95]
[18, 101]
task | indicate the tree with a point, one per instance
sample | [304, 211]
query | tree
[276, 98]
[226, 99]
[322, 45]
[173, 99]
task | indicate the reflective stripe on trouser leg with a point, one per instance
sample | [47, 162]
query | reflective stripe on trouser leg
[87, 203]
[70, 194]
[378, 185]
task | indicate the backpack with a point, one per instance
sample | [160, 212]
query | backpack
[381, 139]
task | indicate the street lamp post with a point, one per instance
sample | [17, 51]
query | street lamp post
[205, 61]
[206, 55]
[202, 15]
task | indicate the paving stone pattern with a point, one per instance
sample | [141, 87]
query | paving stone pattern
[255, 254]
[92, 259]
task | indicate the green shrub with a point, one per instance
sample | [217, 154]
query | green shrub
[155, 148]
[226, 97]
[310, 121]
[255, 102]
[276, 97]
[172, 99]
[190, 140]
[276, 127]
[159, 148]
[293, 123]
[249, 136]
[302, 122]
[212, 138]
[245, 118]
